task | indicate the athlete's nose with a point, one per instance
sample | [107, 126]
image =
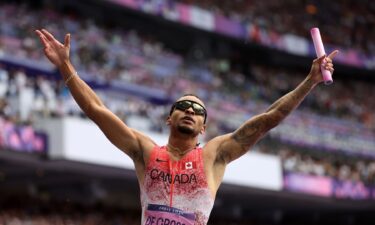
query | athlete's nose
[190, 111]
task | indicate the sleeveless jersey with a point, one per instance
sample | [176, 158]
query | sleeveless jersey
[175, 192]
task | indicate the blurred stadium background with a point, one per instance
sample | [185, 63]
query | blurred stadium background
[317, 167]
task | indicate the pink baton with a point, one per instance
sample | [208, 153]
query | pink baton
[319, 49]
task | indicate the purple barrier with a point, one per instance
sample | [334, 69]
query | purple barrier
[21, 138]
[184, 13]
[225, 26]
[314, 185]
[133, 4]
[349, 189]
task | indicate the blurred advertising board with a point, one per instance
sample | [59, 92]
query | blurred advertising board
[23, 138]
[350, 189]
[327, 187]
[314, 185]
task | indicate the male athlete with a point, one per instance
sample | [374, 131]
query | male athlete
[179, 181]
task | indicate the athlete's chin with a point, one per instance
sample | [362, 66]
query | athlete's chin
[186, 129]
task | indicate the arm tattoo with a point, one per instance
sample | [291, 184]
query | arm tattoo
[286, 104]
[248, 133]
[255, 128]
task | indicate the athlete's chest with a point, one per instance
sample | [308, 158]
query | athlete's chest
[187, 171]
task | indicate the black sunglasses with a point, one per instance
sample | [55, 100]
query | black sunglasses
[186, 104]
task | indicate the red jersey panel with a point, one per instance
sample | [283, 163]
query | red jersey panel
[175, 192]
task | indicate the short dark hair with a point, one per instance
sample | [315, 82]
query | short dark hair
[194, 95]
[190, 94]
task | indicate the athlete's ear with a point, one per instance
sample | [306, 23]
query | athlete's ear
[203, 129]
[168, 121]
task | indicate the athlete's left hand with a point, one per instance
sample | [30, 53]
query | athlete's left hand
[324, 61]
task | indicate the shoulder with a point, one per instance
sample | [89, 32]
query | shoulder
[146, 145]
[215, 147]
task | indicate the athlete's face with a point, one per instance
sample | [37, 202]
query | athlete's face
[189, 116]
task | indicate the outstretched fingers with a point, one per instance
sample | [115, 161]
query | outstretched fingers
[51, 38]
[67, 41]
[48, 35]
[42, 38]
[333, 54]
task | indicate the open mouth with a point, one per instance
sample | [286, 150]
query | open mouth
[188, 118]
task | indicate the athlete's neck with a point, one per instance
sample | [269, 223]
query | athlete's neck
[180, 147]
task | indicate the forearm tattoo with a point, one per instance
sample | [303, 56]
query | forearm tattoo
[290, 101]
[246, 134]
[252, 130]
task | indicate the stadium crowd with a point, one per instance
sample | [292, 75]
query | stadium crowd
[356, 18]
[131, 58]
[115, 55]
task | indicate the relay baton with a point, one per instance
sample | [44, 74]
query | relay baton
[319, 49]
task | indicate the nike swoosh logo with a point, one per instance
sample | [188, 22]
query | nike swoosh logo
[160, 160]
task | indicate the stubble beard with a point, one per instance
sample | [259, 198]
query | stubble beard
[186, 130]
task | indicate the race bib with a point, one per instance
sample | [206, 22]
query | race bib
[165, 215]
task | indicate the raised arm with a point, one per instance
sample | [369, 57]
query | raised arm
[232, 146]
[128, 140]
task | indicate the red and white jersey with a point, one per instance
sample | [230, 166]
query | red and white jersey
[175, 192]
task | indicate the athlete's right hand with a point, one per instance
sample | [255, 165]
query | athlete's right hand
[56, 52]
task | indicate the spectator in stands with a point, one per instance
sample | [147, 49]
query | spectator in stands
[175, 184]
[129, 58]
[4, 76]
